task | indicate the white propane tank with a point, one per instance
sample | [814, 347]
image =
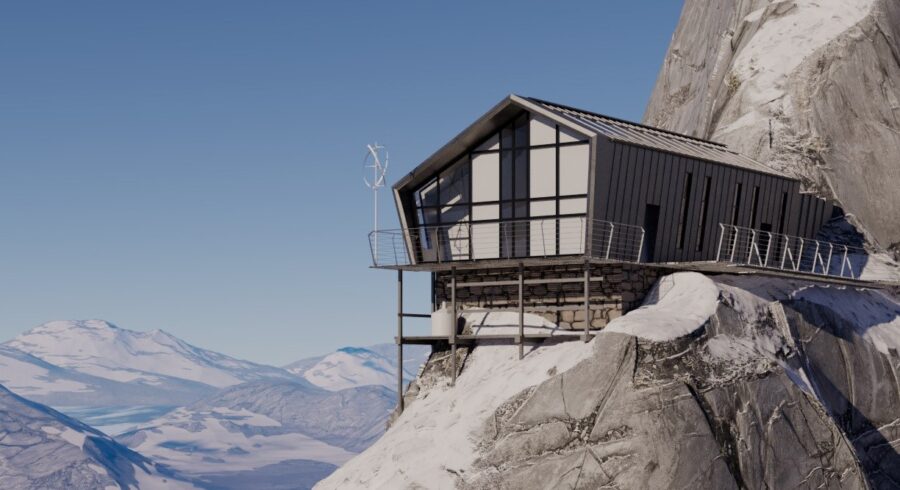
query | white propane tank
[442, 321]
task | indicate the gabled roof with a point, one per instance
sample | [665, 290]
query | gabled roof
[588, 123]
[658, 139]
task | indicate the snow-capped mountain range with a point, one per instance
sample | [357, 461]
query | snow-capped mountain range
[101, 349]
[95, 363]
[220, 422]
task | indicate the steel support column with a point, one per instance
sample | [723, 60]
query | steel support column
[453, 326]
[587, 301]
[521, 311]
[400, 340]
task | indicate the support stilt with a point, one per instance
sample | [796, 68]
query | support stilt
[521, 311]
[400, 341]
[453, 327]
[587, 301]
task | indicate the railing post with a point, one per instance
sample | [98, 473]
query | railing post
[787, 243]
[400, 341]
[844, 261]
[372, 250]
[582, 232]
[752, 246]
[612, 229]
[641, 245]
[733, 243]
[768, 250]
[469, 231]
[815, 257]
[830, 253]
[453, 325]
[543, 240]
[394, 246]
[799, 261]
[721, 237]
[521, 339]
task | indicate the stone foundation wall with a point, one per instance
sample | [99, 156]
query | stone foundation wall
[623, 288]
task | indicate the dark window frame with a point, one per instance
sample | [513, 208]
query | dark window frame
[522, 119]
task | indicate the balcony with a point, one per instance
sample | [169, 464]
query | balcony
[541, 238]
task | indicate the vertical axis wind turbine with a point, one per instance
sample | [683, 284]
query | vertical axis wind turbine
[376, 160]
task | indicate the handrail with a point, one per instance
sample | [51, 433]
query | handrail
[506, 239]
[738, 245]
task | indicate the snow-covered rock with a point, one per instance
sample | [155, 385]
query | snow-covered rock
[271, 433]
[434, 439]
[349, 367]
[41, 449]
[809, 87]
[151, 359]
[677, 305]
[724, 382]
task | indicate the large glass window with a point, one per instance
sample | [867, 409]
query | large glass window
[521, 192]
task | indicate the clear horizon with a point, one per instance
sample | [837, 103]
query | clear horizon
[198, 168]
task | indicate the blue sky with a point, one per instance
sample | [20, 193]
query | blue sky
[197, 166]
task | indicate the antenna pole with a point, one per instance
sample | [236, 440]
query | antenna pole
[379, 169]
[375, 193]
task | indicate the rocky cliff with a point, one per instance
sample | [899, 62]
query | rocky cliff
[812, 88]
[778, 384]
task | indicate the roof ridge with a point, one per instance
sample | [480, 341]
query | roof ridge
[632, 123]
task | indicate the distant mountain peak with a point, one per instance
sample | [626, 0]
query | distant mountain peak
[350, 367]
[100, 348]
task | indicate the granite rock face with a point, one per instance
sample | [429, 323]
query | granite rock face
[810, 88]
[788, 397]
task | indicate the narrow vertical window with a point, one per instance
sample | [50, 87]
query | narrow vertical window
[685, 205]
[754, 207]
[736, 206]
[704, 210]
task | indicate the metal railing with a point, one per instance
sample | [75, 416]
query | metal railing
[746, 246]
[510, 239]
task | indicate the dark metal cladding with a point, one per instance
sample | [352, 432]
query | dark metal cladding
[682, 187]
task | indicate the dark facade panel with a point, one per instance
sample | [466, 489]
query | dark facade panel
[717, 202]
[676, 174]
[641, 176]
[664, 193]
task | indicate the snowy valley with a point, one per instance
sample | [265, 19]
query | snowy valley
[208, 419]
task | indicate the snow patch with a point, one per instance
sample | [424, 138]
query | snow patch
[677, 305]
[73, 437]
